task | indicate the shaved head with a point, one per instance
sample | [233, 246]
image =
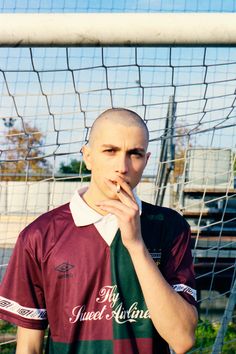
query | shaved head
[120, 116]
[117, 151]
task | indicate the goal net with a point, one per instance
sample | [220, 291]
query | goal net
[49, 98]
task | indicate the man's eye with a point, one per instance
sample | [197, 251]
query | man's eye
[109, 150]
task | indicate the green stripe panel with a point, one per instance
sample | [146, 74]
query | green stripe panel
[130, 314]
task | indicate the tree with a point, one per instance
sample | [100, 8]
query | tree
[75, 167]
[182, 142]
[22, 156]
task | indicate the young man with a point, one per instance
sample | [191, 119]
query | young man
[107, 273]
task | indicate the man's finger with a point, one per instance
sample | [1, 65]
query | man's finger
[116, 206]
[121, 188]
[125, 186]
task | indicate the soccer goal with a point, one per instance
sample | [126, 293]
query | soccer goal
[178, 74]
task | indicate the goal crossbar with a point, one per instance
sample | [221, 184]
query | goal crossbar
[117, 29]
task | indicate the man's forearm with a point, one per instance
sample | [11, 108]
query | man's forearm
[173, 317]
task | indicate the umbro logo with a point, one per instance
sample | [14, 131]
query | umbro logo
[64, 269]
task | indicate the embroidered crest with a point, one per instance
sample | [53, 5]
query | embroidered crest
[156, 255]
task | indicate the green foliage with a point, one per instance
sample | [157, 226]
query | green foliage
[230, 340]
[8, 348]
[75, 167]
[206, 334]
[7, 332]
[6, 327]
[23, 155]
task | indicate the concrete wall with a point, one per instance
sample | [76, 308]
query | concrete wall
[38, 197]
[22, 202]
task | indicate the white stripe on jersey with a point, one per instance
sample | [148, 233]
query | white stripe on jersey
[185, 289]
[25, 312]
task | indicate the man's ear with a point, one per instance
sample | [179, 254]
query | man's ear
[147, 158]
[86, 152]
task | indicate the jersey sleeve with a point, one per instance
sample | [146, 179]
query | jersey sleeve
[21, 292]
[177, 266]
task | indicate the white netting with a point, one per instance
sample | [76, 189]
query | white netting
[49, 98]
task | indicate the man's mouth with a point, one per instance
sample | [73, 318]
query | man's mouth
[117, 184]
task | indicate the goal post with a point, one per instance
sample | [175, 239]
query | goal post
[177, 71]
[118, 29]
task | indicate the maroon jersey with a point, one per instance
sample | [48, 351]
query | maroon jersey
[88, 291]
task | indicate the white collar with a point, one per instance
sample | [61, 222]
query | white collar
[83, 214]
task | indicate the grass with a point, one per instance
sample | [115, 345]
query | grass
[7, 333]
[206, 334]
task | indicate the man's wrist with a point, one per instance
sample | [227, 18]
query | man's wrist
[136, 247]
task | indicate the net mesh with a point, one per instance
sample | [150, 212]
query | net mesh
[49, 98]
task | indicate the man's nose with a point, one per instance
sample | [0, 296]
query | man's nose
[122, 164]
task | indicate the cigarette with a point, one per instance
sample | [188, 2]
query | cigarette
[117, 188]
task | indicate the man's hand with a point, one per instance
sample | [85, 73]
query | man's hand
[126, 210]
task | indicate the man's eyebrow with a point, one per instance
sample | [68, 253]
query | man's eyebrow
[137, 150]
[110, 146]
[133, 150]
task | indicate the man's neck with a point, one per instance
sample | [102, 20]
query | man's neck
[91, 197]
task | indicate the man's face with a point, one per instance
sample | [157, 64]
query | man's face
[117, 151]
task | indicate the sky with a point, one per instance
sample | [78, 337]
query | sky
[37, 87]
[117, 6]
